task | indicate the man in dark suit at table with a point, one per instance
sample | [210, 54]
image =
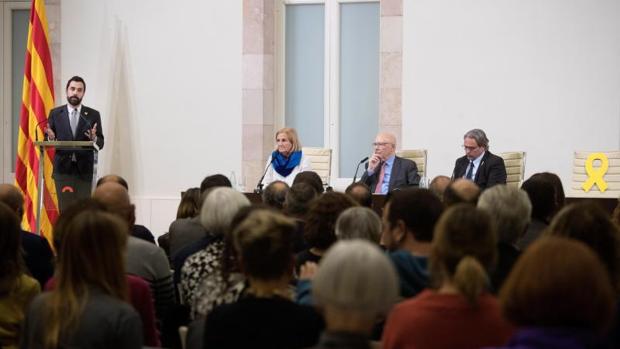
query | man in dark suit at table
[386, 171]
[73, 170]
[478, 164]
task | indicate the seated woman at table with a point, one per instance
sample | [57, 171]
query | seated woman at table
[287, 160]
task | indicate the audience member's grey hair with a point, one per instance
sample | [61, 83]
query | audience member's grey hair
[356, 277]
[510, 209]
[479, 136]
[359, 223]
[219, 208]
[275, 194]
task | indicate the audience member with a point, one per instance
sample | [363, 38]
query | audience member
[216, 215]
[359, 223]
[409, 218]
[189, 206]
[88, 308]
[185, 231]
[143, 259]
[461, 191]
[355, 285]
[438, 185]
[559, 296]
[312, 178]
[16, 288]
[275, 194]
[137, 230]
[590, 224]
[37, 253]
[296, 205]
[510, 211]
[266, 317]
[464, 246]
[319, 231]
[360, 192]
[140, 295]
[545, 204]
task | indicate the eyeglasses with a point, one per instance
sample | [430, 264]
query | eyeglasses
[470, 148]
[380, 144]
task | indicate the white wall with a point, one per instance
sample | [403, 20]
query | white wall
[538, 76]
[166, 77]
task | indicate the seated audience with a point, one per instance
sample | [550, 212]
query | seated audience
[266, 317]
[355, 285]
[438, 185]
[216, 215]
[185, 231]
[409, 218]
[88, 308]
[461, 191]
[312, 178]
[545, 204]
[510, 211]
[359, 223]
[189, 207]
[559, 296]
[137, 230]
[140, 296]
[457, 312]
[16, 288]
[319, 231]
[360, 192]
[143, 259]
[296, 206]
[275, 194]
[37, 253]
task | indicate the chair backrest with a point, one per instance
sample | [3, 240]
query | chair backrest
[416, 155]
[515, 167]
[611, 177]
[320, 160]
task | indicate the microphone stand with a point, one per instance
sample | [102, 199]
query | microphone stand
[259, 185]
[358, 168]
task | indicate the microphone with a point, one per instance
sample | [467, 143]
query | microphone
[259, 185]
[358, 168]
[36, 130]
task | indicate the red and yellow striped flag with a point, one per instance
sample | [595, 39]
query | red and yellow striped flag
[37, 101]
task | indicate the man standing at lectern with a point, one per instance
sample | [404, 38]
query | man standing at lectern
[73, 170]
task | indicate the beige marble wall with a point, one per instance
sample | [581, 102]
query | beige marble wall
[258, 87]
[258, 80]
[391, 48]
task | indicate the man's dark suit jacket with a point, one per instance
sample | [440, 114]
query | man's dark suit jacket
[491, 170]
[404, 174]
[58, 121]
[37, 256]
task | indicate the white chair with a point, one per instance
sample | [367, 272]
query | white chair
[611, 177]
[515, 167]
[416, 155]
[321, 161]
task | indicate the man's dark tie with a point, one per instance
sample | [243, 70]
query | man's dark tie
[470, 171]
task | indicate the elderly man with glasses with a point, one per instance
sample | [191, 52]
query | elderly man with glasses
[386, 171]
[478, 164]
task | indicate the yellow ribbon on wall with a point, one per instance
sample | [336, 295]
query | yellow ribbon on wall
[595, 176]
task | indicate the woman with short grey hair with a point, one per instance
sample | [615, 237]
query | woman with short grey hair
[359, 223]
[354, 286]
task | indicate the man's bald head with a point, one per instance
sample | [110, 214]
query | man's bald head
[115, 198]
[461, 191]
[113, 178]
[11, 196]
[438, 185]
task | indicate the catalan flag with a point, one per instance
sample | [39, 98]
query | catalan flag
[37, 100]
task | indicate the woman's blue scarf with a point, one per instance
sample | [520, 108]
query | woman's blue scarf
[284, 166]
